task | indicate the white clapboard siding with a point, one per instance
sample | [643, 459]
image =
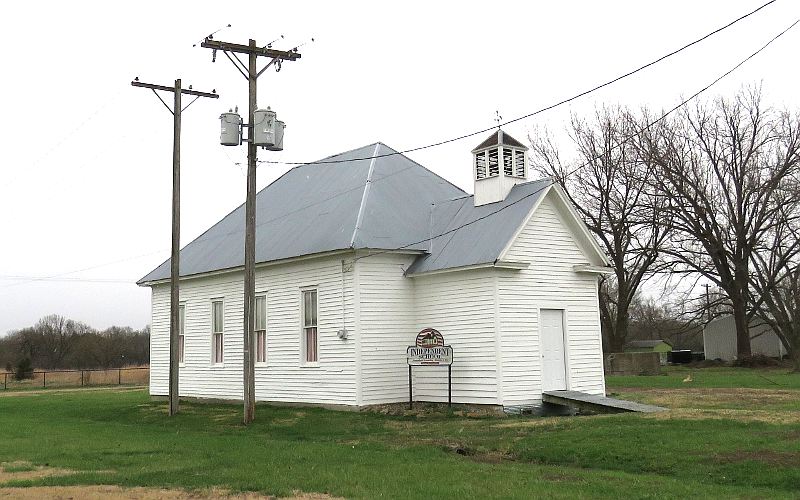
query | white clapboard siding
[489, 316]
[548, 245]
[387, 324]
[461, 305]
[284, 377]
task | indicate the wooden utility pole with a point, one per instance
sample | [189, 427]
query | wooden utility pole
[174, 297]
[251, 73]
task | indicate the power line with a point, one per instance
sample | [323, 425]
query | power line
[530, 194]
[583, 165]
[542, 110]
[68, 135]
[55, 277]
[29, 279]
[492, 128]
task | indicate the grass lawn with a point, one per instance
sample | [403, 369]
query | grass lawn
[716, 442]
[674, 376]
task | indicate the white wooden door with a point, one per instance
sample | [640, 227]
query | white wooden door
[554, 365]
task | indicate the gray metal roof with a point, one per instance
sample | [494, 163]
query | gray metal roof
[498, 138]
[483, 236]
[380, 203]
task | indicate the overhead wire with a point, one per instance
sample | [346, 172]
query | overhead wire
[585, 164]
[393, 153]
[546, 108]
[53, 277]
[67, 136]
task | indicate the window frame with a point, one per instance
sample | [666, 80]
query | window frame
[304, 327]
[260, 357]
[218, 361]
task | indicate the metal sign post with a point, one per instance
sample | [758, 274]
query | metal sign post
[429, 350]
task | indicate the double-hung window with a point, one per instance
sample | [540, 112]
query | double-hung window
[181, 333]
[217, 342]
[261, 328]
[310, 338]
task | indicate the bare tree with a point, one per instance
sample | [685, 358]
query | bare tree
[723, 169]
[775, 278]
[610, 187]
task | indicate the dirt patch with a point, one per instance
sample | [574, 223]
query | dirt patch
[793, 435]
[709, 397]
[421, 409]
[26, 471]
[778, 458]
[116, 493]
[528, 424]
[38, 392]
[765, 416]
[290, 421]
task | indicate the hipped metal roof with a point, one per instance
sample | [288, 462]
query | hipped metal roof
[362, 202]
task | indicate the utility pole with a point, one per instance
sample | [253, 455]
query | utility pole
[251, 73]
[708, 302]
[174, 318]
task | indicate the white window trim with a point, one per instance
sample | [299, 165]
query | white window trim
[220, 364]
[182, 333]
[303, 362]
[266, 330]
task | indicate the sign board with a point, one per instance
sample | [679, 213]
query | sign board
[429, 350]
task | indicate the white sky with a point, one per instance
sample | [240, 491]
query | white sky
[85, 163]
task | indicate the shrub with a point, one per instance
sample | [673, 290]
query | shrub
[24, 369]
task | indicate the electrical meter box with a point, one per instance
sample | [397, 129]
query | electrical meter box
[231, 129]
[264, 125]
[278, 146]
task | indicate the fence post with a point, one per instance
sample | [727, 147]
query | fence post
[5, 381]
[119, 377]
[44, 379]
[81, 378]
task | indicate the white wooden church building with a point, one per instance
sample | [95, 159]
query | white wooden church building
[359, 252]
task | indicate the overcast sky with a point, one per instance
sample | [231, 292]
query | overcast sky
[85, 190]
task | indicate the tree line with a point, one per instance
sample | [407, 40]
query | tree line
[56, 342]
[709, 193]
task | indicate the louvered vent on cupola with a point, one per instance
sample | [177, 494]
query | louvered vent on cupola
[498, 164]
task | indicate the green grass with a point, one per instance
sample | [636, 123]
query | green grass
[123, 438]
[673, 377]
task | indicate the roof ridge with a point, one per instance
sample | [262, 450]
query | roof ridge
[446, 228]
[365, 194]
[421, 166]
[339, 154]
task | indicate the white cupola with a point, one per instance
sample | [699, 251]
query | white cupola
[498, 164]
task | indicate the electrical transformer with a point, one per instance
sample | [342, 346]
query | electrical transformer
[264, 127]
[278, 146]
[231, 129]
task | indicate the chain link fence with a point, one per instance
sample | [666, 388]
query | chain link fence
[136, 375]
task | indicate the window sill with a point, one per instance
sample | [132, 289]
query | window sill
[263, 364]
[181, 365]
[217, 366]
[310, 364]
